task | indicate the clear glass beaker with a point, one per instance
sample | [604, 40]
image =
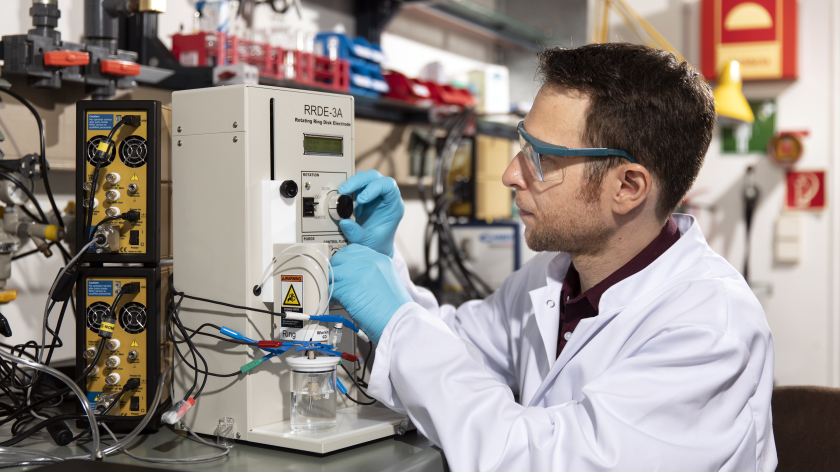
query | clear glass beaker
[313, 400]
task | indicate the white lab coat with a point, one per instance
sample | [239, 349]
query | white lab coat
[674, 374]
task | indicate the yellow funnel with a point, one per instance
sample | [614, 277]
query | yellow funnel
[729, 100]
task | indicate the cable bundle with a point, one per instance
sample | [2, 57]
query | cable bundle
[442, 196]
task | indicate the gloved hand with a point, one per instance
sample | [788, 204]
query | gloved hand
[367, 285]
[379, 209]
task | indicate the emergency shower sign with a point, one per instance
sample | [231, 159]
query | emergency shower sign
[291, 288]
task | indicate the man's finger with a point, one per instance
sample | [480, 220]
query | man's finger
[352, 231]
[342, 272]
[349, 253]
[358, 181]
[387, 188]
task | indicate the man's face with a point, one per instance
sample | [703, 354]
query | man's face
[558, 216]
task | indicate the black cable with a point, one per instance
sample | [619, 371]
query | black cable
[229, 305]
[67, 417]
[195, 352]
[43, 146]
[198, 331]
[10, 347]
[115, 401]
[56, 340]
[28, 193]
[63, 391]
[174, 314]
[360, 390]
[365, 361]
[29, 253]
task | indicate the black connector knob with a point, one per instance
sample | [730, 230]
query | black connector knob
[289, 189]
[60, 433]
[131, 215]
[132, 384]
[5, 329]
[341, 207]
[131, 288]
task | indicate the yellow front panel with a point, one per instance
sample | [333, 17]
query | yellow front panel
[128, 158]
[133, 313]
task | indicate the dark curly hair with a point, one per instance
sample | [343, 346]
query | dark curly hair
[643, 101]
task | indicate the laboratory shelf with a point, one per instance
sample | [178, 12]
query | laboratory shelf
[484, 22]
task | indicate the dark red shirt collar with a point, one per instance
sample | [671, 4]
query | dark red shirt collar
[666, 238]
[575, 306]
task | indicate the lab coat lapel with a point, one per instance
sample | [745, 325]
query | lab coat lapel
[548, 317]
[546, 303]
[587, 329]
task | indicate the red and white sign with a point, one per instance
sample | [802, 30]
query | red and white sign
[759, 34]
[805, 190]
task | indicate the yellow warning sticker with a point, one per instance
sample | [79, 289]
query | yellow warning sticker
[134, 343]
[291, 287]
[291, 297]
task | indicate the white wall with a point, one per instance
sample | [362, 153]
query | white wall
[799, 299]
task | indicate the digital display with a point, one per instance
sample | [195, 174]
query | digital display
[325, 145]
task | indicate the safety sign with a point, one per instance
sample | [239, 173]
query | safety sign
[291, 286]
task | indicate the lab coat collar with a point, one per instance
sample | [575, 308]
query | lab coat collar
[679, 257]
[546, 303]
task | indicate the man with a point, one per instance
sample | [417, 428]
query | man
[629, 345]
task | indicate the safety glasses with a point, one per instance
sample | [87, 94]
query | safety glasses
[548, 161]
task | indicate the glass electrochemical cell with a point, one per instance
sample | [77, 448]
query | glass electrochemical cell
[313, 394]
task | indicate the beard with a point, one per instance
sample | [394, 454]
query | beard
[575, 228]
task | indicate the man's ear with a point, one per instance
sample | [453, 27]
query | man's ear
[630, 185]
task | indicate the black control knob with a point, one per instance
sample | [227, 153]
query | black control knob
[289, 189]
[341, 207]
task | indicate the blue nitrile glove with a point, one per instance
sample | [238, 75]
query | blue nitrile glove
[367, 285]
[379, 209]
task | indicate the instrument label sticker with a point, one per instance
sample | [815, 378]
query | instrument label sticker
[100, 288]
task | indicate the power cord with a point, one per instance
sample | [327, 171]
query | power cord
[358, 387]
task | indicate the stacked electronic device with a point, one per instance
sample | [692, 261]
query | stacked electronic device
[123, 189]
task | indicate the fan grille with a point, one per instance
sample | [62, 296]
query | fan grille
[133, 151]
[95, 312]
[133, 318]
[92, 144]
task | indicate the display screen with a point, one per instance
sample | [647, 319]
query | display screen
[328, 145]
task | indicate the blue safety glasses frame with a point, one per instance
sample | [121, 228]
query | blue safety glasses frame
[548, 161]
